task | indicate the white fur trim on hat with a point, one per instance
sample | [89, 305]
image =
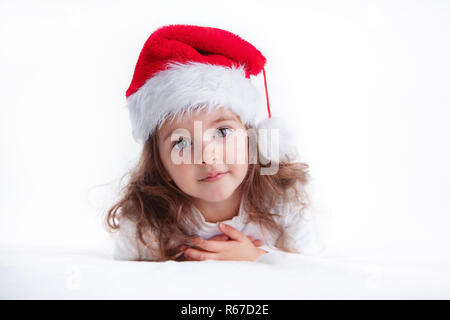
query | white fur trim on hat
[276, 141]
[185, 87]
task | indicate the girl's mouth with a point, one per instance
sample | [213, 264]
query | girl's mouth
[215, 177]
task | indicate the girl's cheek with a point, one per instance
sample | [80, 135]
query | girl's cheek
[236, 150]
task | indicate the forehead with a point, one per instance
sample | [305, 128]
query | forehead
[204, 115]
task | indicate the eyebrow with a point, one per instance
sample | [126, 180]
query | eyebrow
[220, 119]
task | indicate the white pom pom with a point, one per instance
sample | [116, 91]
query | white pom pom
[275, 140]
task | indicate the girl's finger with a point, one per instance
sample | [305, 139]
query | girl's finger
[220, 237]
[199, 255]
[187, 258]
[232, 232]
[209, 245]
[258, 243]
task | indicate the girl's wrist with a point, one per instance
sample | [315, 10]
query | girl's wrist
[260, 252]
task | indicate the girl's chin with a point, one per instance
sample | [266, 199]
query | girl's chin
[216, 194]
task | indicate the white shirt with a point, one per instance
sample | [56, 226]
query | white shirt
[301, 230]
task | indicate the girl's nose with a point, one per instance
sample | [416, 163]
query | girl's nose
[209, 152]
[211, 148]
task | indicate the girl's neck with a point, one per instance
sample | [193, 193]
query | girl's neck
[220, 211]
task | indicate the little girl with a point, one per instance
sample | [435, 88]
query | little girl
[196, 194]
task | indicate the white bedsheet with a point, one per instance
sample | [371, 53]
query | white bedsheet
[49, 273]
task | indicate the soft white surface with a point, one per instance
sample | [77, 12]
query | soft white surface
[49, 273]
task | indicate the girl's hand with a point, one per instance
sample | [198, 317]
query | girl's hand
[239, 247]
[220, 237]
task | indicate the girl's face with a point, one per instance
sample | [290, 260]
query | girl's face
[204, 144]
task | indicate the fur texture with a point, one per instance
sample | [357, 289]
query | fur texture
[274, 133]
[184, 87]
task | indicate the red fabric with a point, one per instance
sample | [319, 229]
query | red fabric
[183, 43]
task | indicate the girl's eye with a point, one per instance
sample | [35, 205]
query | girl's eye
[184, 143]
[181, 143]
[222, 130]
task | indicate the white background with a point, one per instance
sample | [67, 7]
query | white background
[365, 84]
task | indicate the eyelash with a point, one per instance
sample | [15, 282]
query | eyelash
[182, 139]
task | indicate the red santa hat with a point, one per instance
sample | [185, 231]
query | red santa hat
[186, 67]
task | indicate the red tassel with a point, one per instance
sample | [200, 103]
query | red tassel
[267, 93]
